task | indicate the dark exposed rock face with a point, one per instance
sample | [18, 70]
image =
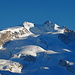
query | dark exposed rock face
[29, 58]
[64, 38]
[47, 22]
[69, 33]
[5, 37]
[67, 65]
[9, 35]
[68, 36]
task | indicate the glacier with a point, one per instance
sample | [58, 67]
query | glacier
[33, 49]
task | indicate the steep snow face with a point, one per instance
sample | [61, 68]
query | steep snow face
[49, 26]
[59, 29]
[53, 27]
[32, 49]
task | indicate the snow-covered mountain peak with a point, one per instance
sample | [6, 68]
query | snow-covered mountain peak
[32, 49]
[48, 22]
[53, 27]
[28, 25]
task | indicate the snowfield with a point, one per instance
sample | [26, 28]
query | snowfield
[32, 49]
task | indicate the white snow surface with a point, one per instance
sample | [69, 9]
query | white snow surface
[28, 25]
[39, 52]
[11, 66]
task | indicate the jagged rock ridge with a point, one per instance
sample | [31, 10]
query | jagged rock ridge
[12, 33]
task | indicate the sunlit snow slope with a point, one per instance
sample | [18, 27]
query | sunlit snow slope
[33, 49]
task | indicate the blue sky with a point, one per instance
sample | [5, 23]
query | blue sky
[15, 12]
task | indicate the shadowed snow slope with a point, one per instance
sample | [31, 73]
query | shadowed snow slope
[32, 49]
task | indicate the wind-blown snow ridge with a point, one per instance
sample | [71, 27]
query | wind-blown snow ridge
[32, 49]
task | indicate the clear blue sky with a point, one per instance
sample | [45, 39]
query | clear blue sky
[15, 12]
